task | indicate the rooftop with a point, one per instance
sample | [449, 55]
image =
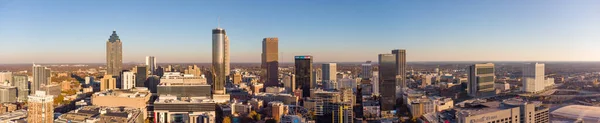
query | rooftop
[101, 114]
[131, 93]
[179, 100]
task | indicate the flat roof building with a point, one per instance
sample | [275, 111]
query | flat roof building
[133, 98]
[102, 114]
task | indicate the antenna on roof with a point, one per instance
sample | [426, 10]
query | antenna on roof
[218, 22]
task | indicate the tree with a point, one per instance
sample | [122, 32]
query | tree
[59, 99]
[227, 120]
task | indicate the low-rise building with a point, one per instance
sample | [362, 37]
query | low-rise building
[102, 114]
[510, 110]
[132, 98]
[169, 109]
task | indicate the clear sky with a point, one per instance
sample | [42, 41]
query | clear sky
[76, 31]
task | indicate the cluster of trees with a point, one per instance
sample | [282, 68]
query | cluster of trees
[253, 116]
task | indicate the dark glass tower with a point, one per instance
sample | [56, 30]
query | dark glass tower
[387, 78]
[400, 67]
[303, 72]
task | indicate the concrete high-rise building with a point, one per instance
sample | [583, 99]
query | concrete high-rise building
[270, 61]
[481, 80]
[367, 70]
[22, 84]
[40, 108]
[534, 78]
[114, 55]
[375, 82]
[141, 74]
[8, 94]
[387, 85]
[303, 72]
[218, 60]
[6, 76]
[108, 83]
[329, 72]
[151, 64]
[128, 80]
[400, 67]
[289, 82]
[41, 76]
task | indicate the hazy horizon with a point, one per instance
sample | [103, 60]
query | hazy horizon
[65, 31]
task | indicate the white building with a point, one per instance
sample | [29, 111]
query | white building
[329, 76]
[128, 80]
[533, 78]
[6, 76]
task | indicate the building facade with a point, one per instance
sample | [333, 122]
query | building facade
[40, 108]
[114, 55]
[367, 70]
[108, 83]
[128, 80]
[303, 72]
[329, 71]
[400, 67]
[151, 64]
[218, 60]
[481, 80]
[270, 61]
[141, 74]
[387, 86]
[22, 84]
[41, 76]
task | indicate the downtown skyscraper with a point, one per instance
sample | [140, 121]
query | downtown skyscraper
[41, 76]
[114, 55]
[270, 61]
[151, 64]
[400, 67]
[218, 60]
[388, 78]
[303, 72]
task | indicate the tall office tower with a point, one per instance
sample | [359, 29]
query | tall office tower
[20, 81]
[218, 60]
[108, 83]
[151, 63]
[387, 85]
[533, 77]
[481, 80]
[270, 61]
[226, 58]
[114, 55]
[40, 108]
[6, 76]
[400, 67]
[140, 76]
[367, 70]
[329, 72]
[303, 72]
[128, 80]
[41, 76]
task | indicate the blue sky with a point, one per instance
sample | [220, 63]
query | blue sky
[76, 31]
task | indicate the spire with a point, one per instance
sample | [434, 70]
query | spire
[114, 37]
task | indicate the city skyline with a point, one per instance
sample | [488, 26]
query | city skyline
[453, 31]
